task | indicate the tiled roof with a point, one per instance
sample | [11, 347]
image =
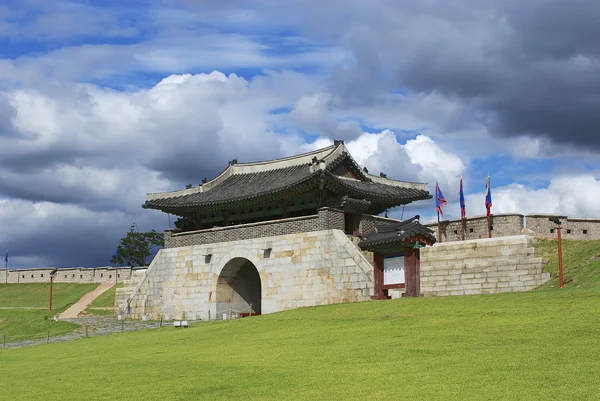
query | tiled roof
[386, 234]
[258, 182]
[239, 187]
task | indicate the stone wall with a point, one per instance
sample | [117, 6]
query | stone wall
[572, 228]
[485, 266]
[303, 269]
[367, 223]
[81, 275]
[503, 225]
[325, 219]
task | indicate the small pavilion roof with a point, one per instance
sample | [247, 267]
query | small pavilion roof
[395, 233]
[251, 183]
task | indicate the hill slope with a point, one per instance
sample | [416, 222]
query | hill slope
[538, 345]
[581, 263]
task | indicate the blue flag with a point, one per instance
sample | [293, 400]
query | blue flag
[439, 199]
[463, 210]
[488, 195]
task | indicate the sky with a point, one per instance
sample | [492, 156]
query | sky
[102, 102]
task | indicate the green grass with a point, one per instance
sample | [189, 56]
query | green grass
[538, 345]
[581, 269]
[107, 298]
[38, 295]
[21, 324]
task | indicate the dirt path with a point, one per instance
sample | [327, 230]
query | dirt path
[83, 303]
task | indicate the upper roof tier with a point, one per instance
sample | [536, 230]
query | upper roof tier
[243, 184]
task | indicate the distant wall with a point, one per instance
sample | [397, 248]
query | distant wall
[484, 266]
[81, 275]
[504, 225]
[572, 228]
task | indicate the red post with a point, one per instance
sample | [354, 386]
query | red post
[439, 229]
[51, 280]
[560, 263]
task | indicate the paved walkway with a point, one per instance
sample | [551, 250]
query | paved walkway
[83, 303]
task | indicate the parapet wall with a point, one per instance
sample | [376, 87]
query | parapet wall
[504, 225]
[484, 266]
[80, 275]
[326, 219]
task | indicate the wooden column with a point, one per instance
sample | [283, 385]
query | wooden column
[379, 293]
[412, 272]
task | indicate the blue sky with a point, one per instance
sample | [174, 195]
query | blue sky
[104, 101]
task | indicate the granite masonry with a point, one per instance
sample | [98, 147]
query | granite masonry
[295, 270]
[484, 266]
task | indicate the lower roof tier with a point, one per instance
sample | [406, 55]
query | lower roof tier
[245, 190]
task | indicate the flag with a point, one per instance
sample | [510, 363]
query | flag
[439, 199]
[488, 195]
[463, 210]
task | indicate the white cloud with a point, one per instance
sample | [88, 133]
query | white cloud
[575, 196]
[420, 159]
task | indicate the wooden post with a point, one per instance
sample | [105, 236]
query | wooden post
[560, 262]
[122, 326]
[3, 340]
[51, 280]
[86, 331]
[48, 337]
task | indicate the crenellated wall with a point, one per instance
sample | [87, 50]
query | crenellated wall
[80, 275]
[504, 225]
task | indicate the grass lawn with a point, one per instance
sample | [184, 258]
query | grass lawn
[20, 324]
[539, 345]
[37, 295]
[581, 263]
[23, 324]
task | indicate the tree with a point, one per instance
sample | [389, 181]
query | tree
[135, 248]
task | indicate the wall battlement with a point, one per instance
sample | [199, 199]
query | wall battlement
[504, 225]
[79, 275]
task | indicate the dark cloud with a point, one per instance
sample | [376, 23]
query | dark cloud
[526, 68]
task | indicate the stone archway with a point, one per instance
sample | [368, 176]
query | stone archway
[238, 289]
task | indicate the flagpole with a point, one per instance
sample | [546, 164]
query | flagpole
[6, 260]
[464, 229]
[489, 224]
[439, 229]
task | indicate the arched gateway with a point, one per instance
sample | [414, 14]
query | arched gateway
[289, 229]
[238, 289]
